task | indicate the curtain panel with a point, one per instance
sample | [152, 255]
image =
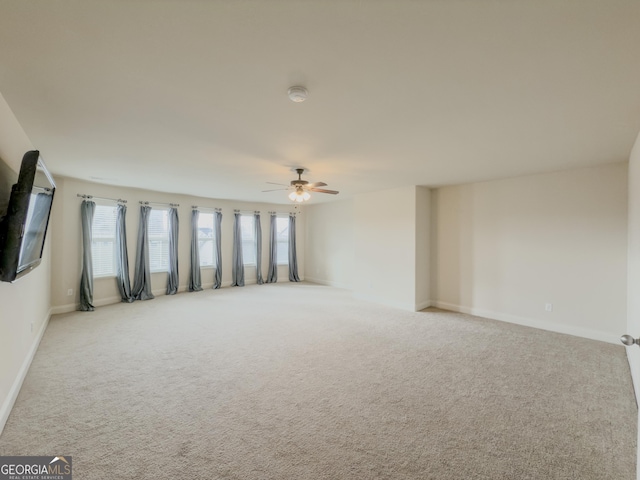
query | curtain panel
[272, 272]
[87, 209]
[122, 257]
[172, 278]
[142, 277]
[293, 256]
[195, 280]
[217, 225]
[258, 235]
[237, 268]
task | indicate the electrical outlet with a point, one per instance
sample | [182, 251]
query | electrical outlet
[70, 292]
[548, 307]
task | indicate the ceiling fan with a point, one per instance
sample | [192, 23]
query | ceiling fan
[301, 188]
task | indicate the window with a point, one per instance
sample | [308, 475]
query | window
[282, 236]
[103, 241]
[206, 240]
[248, 239]
[158, 233]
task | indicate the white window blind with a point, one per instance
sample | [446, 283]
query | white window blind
[206, 240]
[103, 241]
[248, 240]
[282, 235]
[158, 234]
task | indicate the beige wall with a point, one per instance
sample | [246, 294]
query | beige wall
[376, 245]
[67, 240]
[503, 249]
[385, 240]
[24, 305]
[422, 265]
[330, 244]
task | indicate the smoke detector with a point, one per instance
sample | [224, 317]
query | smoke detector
[297, 94]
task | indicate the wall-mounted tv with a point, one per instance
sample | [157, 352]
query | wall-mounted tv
[24, 228]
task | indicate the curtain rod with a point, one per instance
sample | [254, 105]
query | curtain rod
[216, 209]
[118, 200]
[159, 203]
[246, 212]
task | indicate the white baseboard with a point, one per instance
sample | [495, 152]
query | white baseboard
[8, 403]
[107, 301]
[328, 283]
[411, 307]
[423, 305]
[69, 307]
[158, 292]
[382, 301]
[209, 285]
[72, 307]
[531, 322]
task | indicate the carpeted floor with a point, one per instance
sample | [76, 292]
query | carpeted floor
[300, 381]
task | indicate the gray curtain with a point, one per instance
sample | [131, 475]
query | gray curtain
[173, 280]
[258, 233]
[122, 257]
[142, 277]
[293, 257]
[87, 209]
[272, 272]
[195, 281]
[217, 225]
[237, 269]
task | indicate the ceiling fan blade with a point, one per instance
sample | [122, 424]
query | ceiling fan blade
[321, 190]
[316, 184]
[273, 183]
[275, 190]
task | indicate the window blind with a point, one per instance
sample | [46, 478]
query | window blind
[158, 233]
[282, 236]
[248, 240]
[103, 241]
[206, 240]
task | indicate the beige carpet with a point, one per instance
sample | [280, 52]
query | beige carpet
[302, 382]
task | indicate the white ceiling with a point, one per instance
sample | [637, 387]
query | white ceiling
[190, 96]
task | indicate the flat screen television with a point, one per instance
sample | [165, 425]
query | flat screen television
[24, 228]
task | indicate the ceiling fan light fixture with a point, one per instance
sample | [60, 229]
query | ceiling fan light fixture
[299, 195]
[300, 188]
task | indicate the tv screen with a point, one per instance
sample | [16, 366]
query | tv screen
[35, 227]
[24, 228]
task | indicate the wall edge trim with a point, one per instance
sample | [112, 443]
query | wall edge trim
[532, 322]
[328, 283]
[10, 400]
[388, 303]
